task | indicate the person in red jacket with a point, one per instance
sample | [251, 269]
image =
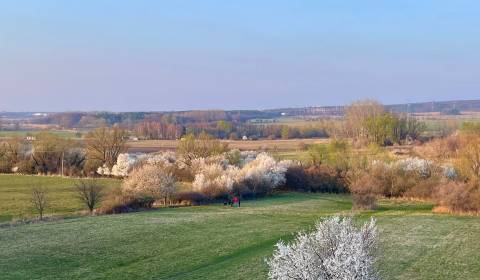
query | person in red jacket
[236, 201]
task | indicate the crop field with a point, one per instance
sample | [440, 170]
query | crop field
[15, 193]
[217, 242]
[254, 145]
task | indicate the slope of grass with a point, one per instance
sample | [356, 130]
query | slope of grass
[15, 194]
[216, 242]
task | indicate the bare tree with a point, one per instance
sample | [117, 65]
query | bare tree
[104, 144]
[202, 146]
[90, 193]
[39, 201]
[357, 113]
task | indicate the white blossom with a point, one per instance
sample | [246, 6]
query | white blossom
[336, 249]
[449, 172]
[124, 165]
[104, 170]
[150, 180]
[264, 170]
[162, 159]
[422, 166]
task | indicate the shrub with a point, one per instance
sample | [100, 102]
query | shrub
[459, 197]
[117, 202]
[468, 161]
[190, 198]
[421, 167]
[424, 189]
[440, 149]
[364, 190]
[314, 179]
[336, 249]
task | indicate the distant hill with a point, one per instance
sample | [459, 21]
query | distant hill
[454, 106]
[441, 106]
[94, 119]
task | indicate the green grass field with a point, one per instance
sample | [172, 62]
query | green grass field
[16, 190]
[217, 242]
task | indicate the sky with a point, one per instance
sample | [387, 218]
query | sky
[144, 55]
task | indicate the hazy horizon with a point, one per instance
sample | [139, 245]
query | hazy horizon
[169, 56]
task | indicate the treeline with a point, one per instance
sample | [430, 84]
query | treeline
[226, 130]
[68, 120]
[364, 121]
[51, 154]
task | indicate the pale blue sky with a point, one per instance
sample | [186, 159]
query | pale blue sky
[173, 55]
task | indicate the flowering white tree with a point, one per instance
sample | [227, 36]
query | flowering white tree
[422, 167]
[124, 165]
[214, 175]
[214, 180]
[104, 170]
[264, 172]
[166, 159]
[149, 180]
[336, 249]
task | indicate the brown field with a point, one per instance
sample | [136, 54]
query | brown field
[150, 146]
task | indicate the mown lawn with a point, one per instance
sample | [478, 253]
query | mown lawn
[16, 191]
[217, 242]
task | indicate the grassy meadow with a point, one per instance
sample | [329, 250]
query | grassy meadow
[16, 190]
[217, 242]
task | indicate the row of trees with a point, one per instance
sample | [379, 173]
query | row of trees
[226, 130]
[51, 154]
[369, 121]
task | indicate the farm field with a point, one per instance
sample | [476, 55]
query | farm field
[15, 193]
[217, 242]
[24, 133]
[270, 145]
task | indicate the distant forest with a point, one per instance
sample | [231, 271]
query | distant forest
[234, 124]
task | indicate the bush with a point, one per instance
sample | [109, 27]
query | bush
[364, 190]
[336, 249]
[190, 198]
[117, 202]
[459, 197]
[314, 179]
[424, 189]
